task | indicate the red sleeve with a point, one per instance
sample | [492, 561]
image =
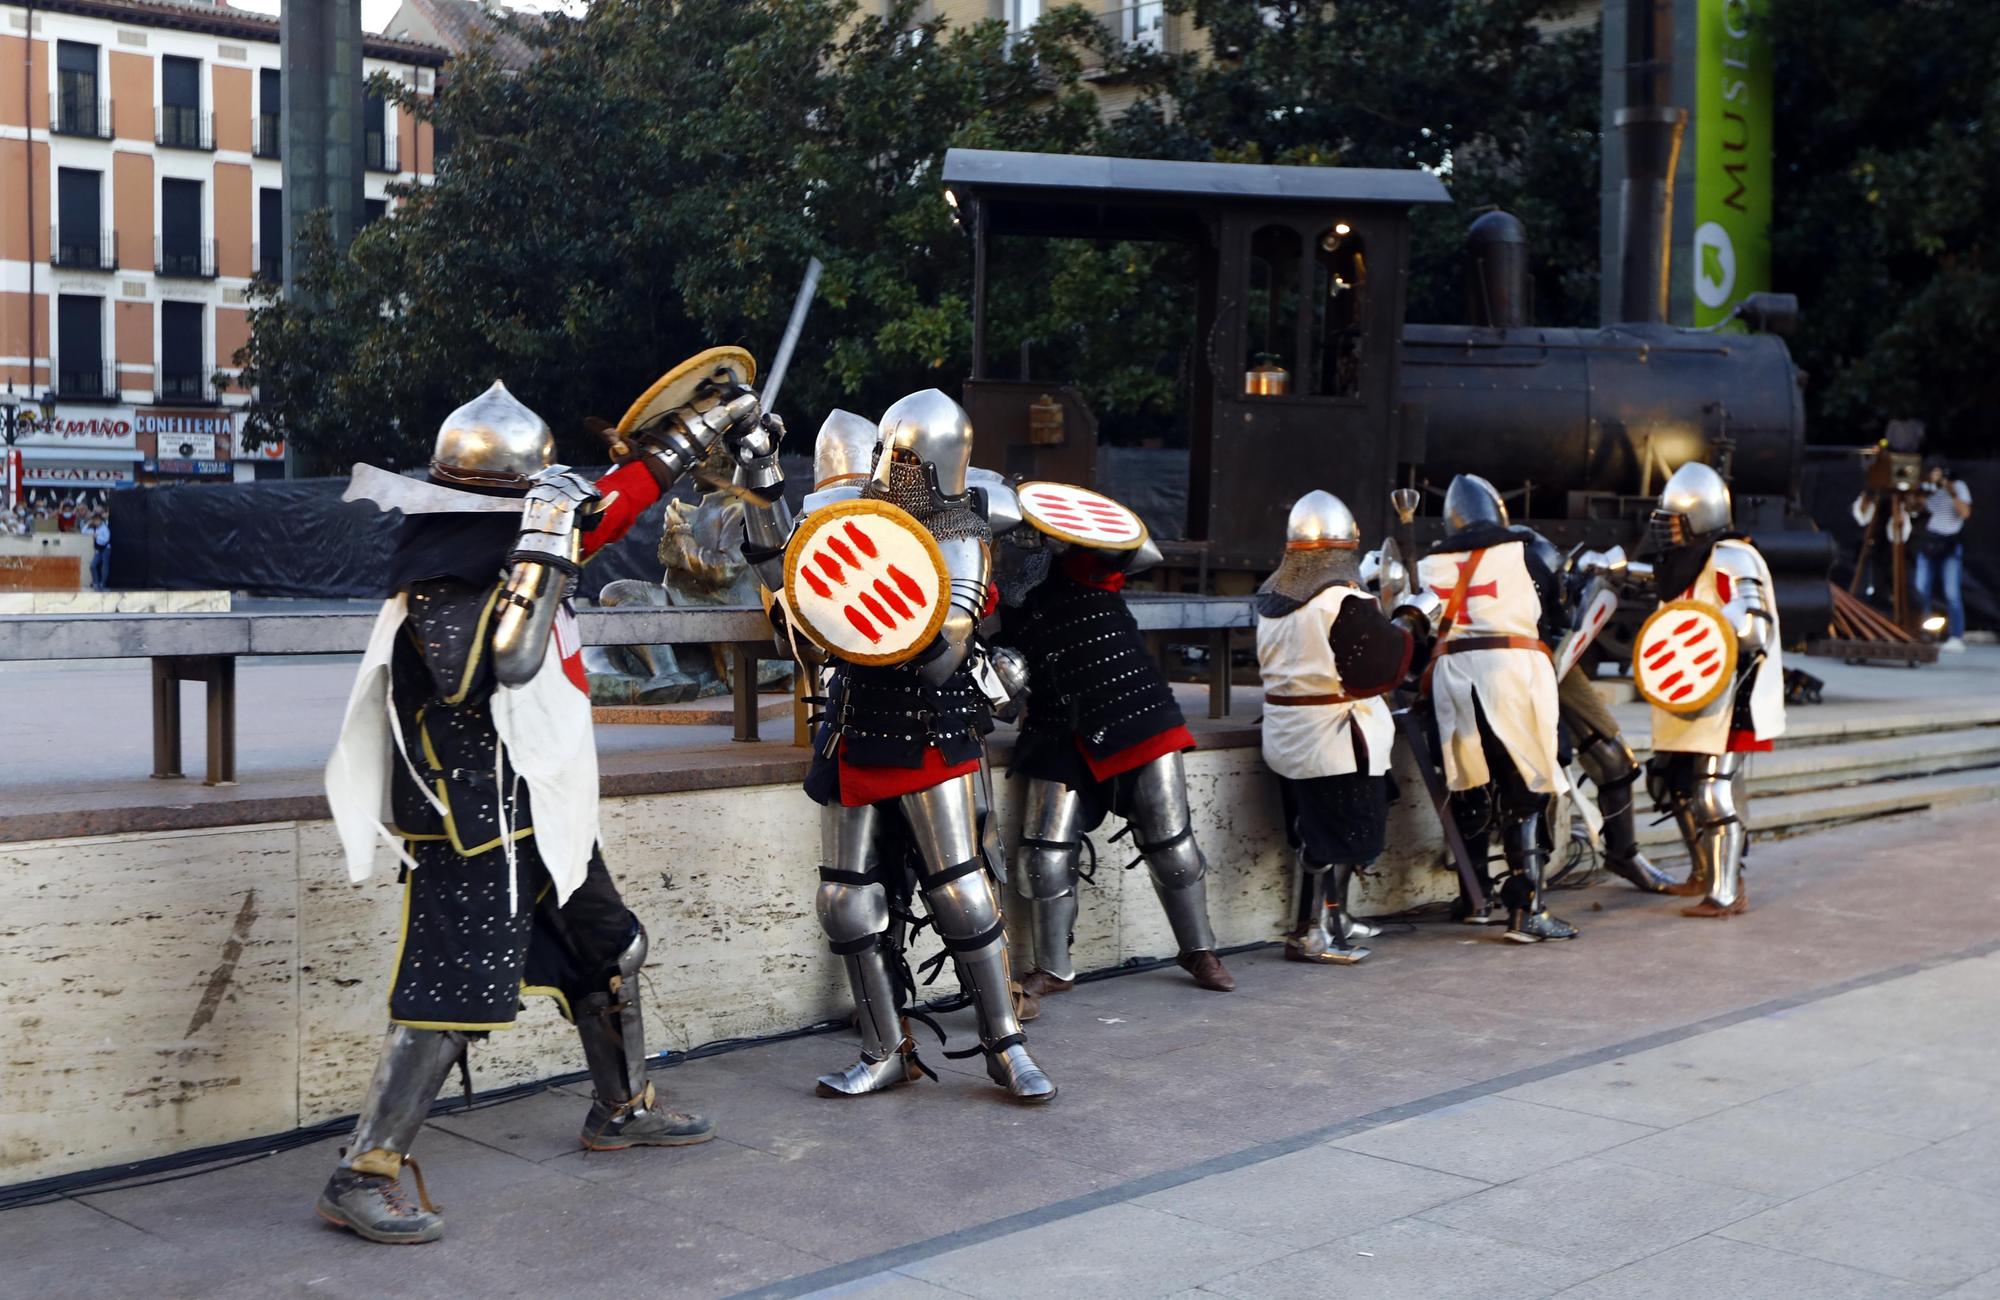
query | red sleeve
[636, 490]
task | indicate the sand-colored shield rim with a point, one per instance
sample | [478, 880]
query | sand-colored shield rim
[812, 525]
[1723, 680]
[675, 389]
[1041, 525]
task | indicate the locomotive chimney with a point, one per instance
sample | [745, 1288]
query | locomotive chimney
[1497, 283]
[1650, 127]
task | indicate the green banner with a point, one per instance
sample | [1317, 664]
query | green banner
[1732, 131]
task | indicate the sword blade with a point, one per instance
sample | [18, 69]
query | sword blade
[793, 328]
[1461, 857]
[414, 496]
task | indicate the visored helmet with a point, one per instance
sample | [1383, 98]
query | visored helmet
[1693, 504]
[1321, 519]
[845, 448]
[492, 441]
[1472, 500]
[929, 433]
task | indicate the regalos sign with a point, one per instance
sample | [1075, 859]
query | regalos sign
[1732, 123]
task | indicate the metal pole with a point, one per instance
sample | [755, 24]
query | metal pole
[28, 162]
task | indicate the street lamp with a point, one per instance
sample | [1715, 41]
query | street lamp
[16, 419]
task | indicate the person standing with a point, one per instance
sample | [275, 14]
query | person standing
[100, 553]
[1941, 548]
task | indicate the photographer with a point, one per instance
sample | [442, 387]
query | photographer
[1941, 546]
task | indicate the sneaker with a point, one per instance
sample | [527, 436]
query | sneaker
[1952, 645]
[373, 1206]
[642, 1122]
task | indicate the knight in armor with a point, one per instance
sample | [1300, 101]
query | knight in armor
[1699, 757]
[1101, 734]
[1491, 684]
[899, 752]
[1328, 656]
[471, 708]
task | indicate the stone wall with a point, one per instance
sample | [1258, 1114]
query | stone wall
[187, 988]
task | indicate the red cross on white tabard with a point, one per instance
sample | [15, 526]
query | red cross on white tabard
[1491, 589]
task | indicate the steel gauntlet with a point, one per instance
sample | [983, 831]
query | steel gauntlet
[540, 571]
[677, 442]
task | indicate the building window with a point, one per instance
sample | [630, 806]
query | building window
[183, 252]
[1271, 311]
[270, 114]
[1340, 312]
[378, 145]
[1023, 14]
[80, 239]
[183, 344]
[81, 374]
[182, 123]
[373, 210]
[78, 109]
[271, 234]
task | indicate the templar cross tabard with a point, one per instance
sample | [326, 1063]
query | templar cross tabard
[1483, 589]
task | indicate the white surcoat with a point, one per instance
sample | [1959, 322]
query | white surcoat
[1514, 688]
[1302, 741]
[1707, 732]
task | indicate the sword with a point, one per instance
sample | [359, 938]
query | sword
[1404, 502]
[793, 328]
[415, 496]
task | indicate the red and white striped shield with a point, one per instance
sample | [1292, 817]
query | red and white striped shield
[1684, 656]
[1081, 516]
[866, 582]
[1594, 610]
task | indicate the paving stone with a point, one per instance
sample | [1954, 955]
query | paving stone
[1408, 1258]
[1310, 1196]
[1895, 1226]
[65, 1247]
[1984, 1287]
[1717, 1266]
[1970, 1162]
[1118, 1251]
[1494, 1139]
[1765, 1149]
[1598, 1212]
[887, 1286]
[1659, 1088]
[1894, 1095]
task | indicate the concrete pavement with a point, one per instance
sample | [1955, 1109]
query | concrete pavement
[1804, 1101]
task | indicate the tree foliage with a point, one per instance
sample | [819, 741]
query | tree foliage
[1888, 148]
[656, 181]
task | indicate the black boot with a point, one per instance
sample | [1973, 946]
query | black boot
[1528, 919]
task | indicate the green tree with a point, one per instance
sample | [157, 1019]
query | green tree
[655, 183]
[1888, 147]
[1471, 89]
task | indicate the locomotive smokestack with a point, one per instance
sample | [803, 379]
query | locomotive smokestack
[1650, 127]
[1497, 282]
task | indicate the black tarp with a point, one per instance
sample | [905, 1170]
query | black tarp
[298, 538]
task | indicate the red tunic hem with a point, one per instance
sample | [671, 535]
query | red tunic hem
[1171, 741]
[860, 786]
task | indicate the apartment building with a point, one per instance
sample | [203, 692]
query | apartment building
[141, 180]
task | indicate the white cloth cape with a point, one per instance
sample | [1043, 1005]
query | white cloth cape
[1707, 732]
[1302, 741]
[545, 726]
[1515, 689]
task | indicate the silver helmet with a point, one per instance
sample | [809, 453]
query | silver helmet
[1321, 519]
[1694, 503]
[845, 448]
[1472, 500]
[930, 432]
[492, 441]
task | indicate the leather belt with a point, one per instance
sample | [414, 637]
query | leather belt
[1303, 700]
[1465, 643]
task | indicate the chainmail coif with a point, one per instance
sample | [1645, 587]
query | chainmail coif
[910, 488]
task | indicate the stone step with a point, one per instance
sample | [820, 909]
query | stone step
[1787, 814]
[1856, 762]
[1809, 725]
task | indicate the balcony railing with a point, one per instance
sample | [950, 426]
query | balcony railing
[83, 250]
[270, 136]
[180, 127]
[270, 260]
[91, 383]
[80, 115]
[193, 387]
[379, 152]
[193, 260]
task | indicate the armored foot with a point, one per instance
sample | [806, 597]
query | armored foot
[866, 1076]
[1207, 970]
[1534, 927]
[1013, 1069]
[1641, 873]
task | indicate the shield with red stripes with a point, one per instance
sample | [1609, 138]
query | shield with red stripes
[1684, 656]
[1081, 516]
[866, 582]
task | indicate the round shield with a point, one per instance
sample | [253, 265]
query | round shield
[1684, 656]
[1392, 575]
[866, 582]
[1081, 516]
[679, 386]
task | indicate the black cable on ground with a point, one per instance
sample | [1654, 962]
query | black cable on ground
[228, 1155]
